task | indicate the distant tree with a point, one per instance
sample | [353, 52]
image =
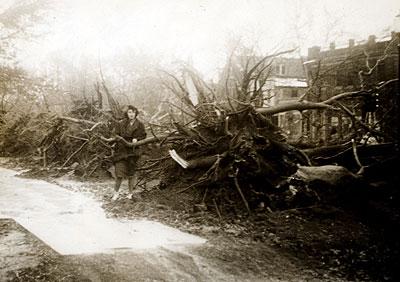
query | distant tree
[17, 22]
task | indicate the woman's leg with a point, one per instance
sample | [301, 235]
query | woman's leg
[132, 180]
[132, 176]
[131, 183]
[120, 173]
[118, 181]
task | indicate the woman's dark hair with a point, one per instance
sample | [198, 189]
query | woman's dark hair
[134, 109]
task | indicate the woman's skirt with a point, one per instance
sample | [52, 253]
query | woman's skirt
[126, 167]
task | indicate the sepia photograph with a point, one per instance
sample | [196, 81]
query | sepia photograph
[199, 140]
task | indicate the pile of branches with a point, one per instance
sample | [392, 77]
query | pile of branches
[75, 143]
[57, 142]
[220, 136]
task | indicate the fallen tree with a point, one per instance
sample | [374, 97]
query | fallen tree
[218, 137]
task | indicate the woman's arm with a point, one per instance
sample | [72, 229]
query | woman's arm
[141, 132]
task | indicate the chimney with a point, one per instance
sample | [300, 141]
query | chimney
[371, 39]
[395, 35]
[351, 43]
[332, 46]
[313, 52]
[396, 23]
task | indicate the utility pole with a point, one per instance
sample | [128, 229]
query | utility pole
[398, 96]
[397, 99]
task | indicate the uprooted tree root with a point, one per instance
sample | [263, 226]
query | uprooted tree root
[238, 170]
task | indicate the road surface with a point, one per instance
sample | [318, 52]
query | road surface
[41, 220]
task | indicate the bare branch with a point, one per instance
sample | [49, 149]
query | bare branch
[294, 106]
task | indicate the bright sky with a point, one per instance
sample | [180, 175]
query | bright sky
[198, 30]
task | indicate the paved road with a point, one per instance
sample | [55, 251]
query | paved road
[72, 223]
[75, 227]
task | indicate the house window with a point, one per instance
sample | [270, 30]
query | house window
[280, 69]
[341, 77]
[350, 78]
[294, 93]
[334, 121]
[381, 72]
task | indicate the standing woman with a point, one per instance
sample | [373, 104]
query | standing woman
[128, 131]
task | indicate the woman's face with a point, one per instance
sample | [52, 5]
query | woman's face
[131, 114]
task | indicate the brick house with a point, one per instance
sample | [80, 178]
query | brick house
[337, 70]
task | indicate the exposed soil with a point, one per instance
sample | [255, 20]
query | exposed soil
[326, 242]
[315, 243]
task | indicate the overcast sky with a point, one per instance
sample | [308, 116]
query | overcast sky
[199, 30]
